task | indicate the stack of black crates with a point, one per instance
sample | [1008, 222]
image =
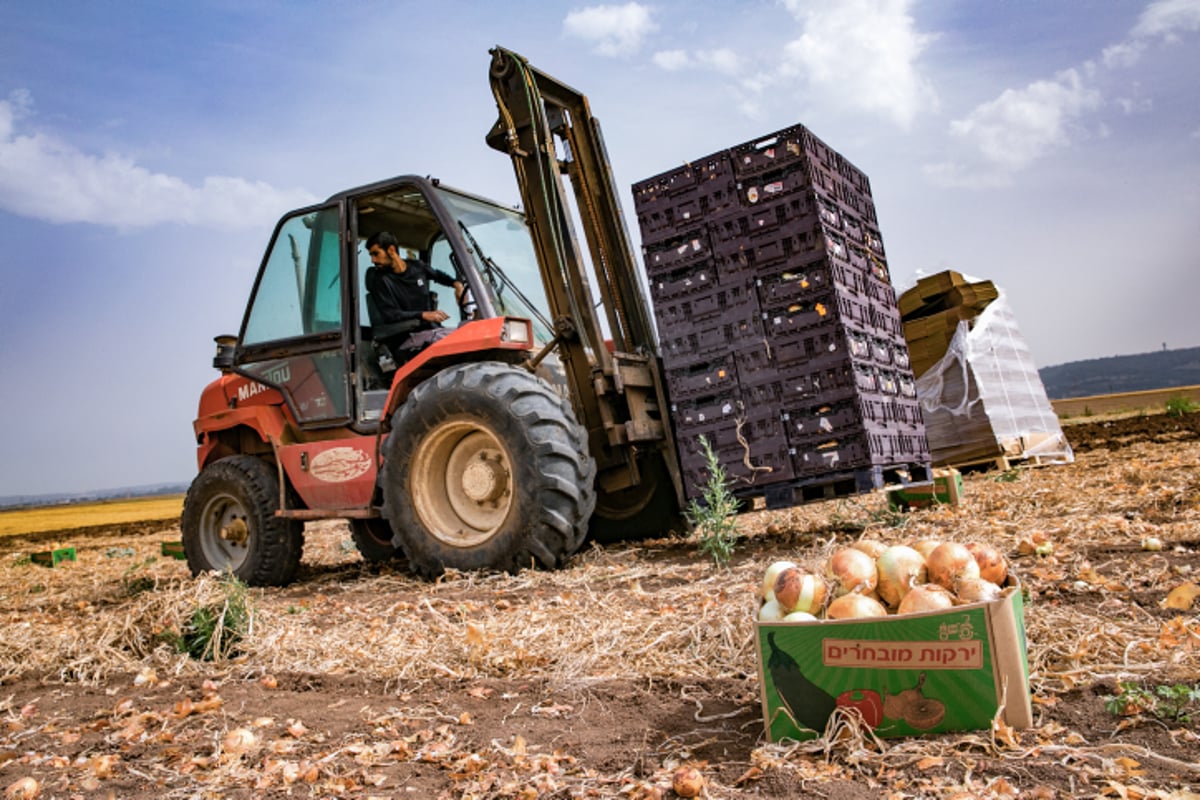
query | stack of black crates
[778, 324]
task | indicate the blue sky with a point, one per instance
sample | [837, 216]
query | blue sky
[147, 148]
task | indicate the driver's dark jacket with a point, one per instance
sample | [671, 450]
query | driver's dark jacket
[401, 296]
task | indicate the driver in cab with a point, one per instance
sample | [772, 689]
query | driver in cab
[401, 291]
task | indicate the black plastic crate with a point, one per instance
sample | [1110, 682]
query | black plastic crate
[684, 249]
[704, 342]
[770, 220]
[664, 187]
[736, 302]
[746, 466]
[815, 350]
[688, 280]
[800, 277]
[827, 454]
[704, 378]
[836, 379]
[779, 149]
[829, 419]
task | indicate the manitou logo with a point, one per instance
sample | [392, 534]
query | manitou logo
[248, 390]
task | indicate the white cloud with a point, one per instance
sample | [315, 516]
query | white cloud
[1020, 126]
[612, 30]
[672, 60]
[48, 179]
[1125, 54]
[721, 60]
[864, 54]
[1167, 18]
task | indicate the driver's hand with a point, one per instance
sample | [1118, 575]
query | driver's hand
[434, 316]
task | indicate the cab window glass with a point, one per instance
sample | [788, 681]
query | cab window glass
[300, 290]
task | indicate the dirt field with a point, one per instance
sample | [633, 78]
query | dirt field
[598, 680]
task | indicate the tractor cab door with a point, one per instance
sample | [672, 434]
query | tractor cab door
[292, 336]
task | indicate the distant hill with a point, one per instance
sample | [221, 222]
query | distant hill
[1116, 374]
[66, 498]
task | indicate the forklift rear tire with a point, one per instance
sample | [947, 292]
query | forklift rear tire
[487, 468]
[229, 523]
[373, 538]
[645, 511]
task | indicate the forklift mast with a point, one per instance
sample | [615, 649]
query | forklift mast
[615, 381]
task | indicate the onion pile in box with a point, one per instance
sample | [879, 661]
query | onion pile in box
[871, 579]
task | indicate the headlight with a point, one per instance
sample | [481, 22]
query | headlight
[518, 331]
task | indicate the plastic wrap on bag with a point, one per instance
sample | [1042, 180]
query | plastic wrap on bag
[984, 399]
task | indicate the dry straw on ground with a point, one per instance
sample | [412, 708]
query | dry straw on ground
[660, 613]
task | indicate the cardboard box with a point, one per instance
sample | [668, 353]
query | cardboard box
[50, 558]
[174, 550]
[913, 674]
[947, 488]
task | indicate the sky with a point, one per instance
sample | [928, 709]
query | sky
[147, 149]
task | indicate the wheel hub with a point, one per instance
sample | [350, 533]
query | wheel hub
[485, 479]
[236, 531]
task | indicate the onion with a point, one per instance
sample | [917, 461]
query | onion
[687, 782]
[992, 564]
[926, 597]
[976, 590]
[871, 547]
[926, 546]
[851, 570]
[239, 740]
[950, 562]
[797, 589]
[799, 616]
[855, 606]
[768, 584]
[900, 567]
[22, 789]
[771, 612]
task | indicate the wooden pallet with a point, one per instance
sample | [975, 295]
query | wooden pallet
[835, 485]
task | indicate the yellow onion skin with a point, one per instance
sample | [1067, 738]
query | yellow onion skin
[993, 566]
[950, 562]
[771, 612]
[687, 781]
[851, 570]
[855, 606]
[872, 547]
[976, 590]
[900, 568]
[797, 589]
[925, 547]
[768, 584]
[926, 597]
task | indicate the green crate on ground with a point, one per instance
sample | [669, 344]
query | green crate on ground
[50, 558]
[174, 550]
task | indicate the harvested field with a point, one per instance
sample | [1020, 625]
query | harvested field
[597, 680]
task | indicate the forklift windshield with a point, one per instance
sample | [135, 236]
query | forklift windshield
[498, 241]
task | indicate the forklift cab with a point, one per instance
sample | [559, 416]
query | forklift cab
[308, 329]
